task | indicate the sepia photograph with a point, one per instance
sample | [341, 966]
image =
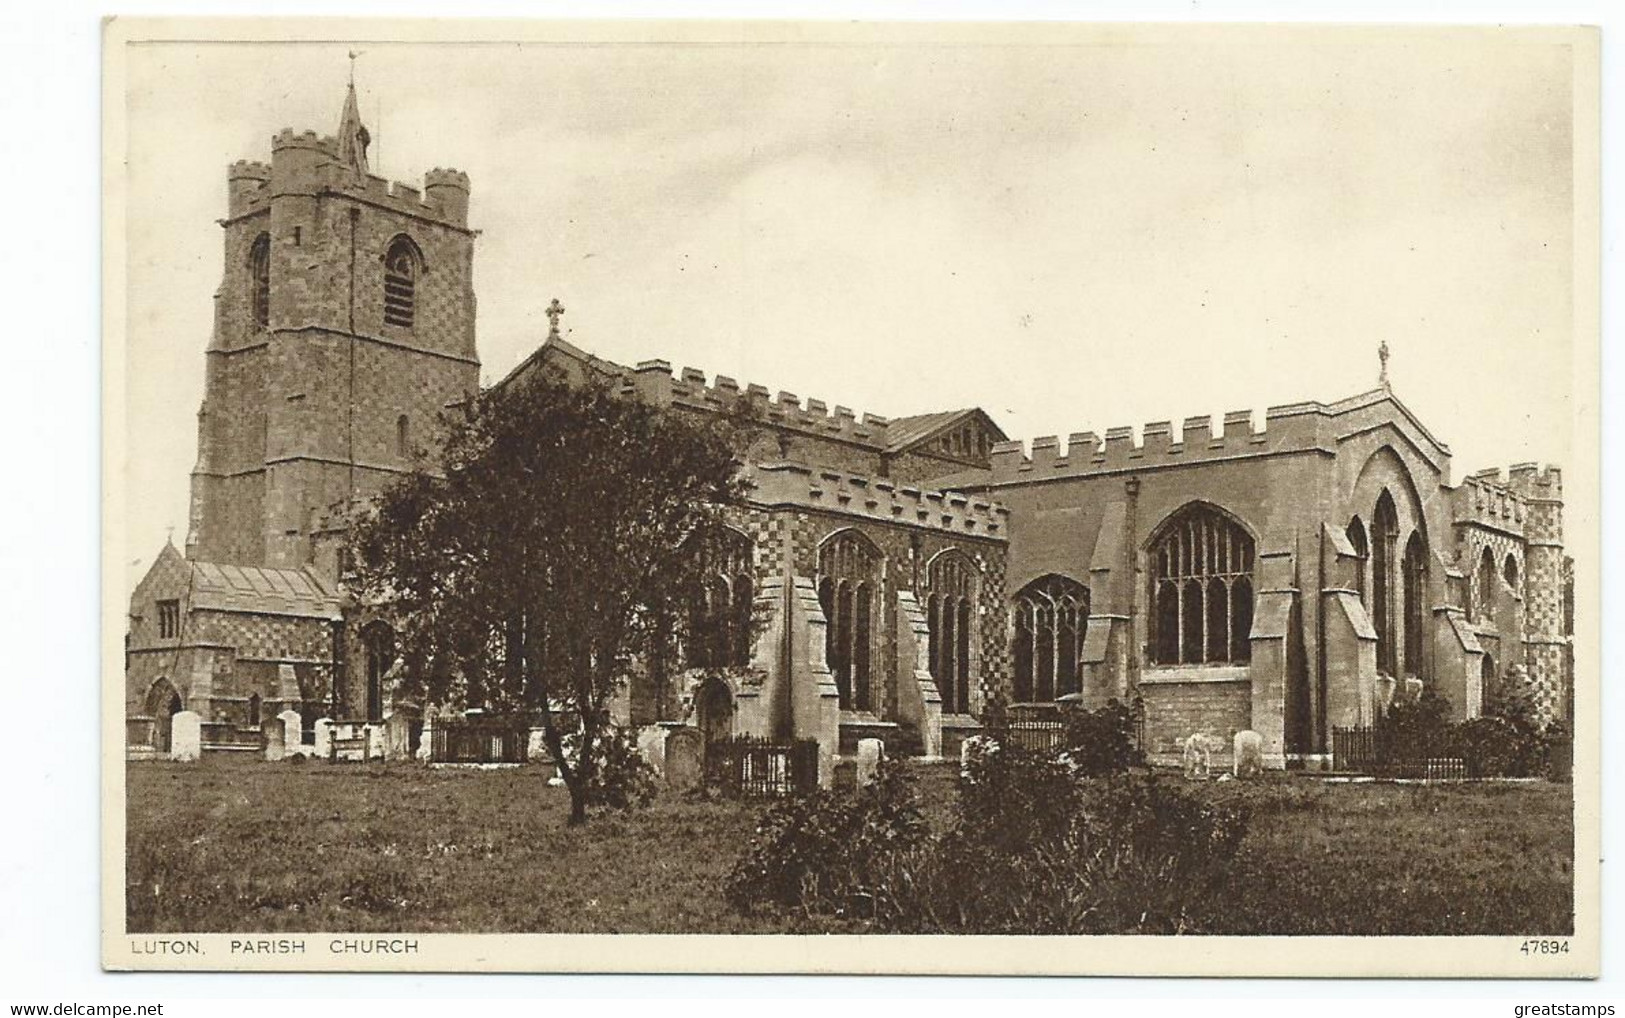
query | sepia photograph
[936, 498]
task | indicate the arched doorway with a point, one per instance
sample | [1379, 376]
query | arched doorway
[714, 706]
[163, 703]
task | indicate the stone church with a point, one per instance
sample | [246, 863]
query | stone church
[1285, 574]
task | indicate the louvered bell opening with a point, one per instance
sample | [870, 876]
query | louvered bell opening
[397, 300]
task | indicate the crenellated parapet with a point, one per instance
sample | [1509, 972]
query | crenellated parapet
[654, 381]
[798, 485]
[306, 163]
[1295, 428]
[1485, 499]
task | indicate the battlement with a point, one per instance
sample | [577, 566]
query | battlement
[289, 138]
[1533, 481]
[1485, 499]
[445, 177]
[248, 169]
[1291, 428]
[877, 498]
[654, 380]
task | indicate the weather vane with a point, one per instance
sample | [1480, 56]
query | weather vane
[353, 54]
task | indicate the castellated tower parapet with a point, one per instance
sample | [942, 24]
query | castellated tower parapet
[245, 185]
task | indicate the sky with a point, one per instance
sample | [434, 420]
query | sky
[1070, 229]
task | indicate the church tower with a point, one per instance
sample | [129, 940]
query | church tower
[344, 326]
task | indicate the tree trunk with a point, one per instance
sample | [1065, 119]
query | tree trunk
[578, 806]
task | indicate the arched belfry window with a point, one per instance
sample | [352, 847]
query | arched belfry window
[849, 584]
[402, 266]
[719, 604]
[1201, 565]
[1413, 567]
[951, 583]
[1509, 572]
[1052, 613]
[378, 641]
[259, 279]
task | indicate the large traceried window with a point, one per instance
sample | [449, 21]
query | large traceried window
[951, 614]
[401, 267]
[849, 592]
[1201, 589]
[1482, 595]
[259, 279]
[1052, 613]
[1384, 537]
[719, 605]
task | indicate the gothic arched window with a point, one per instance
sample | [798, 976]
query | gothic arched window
[1201, 589]
[401, 266]
[1362, 552]
[378, 640]
[1509, 572]
[1052, 613]
[1384, 536]
[719, 606]
[1413, 568]
[849, 591]
[259, 279]
[951, 613]
[1483, 584]
[254, 710]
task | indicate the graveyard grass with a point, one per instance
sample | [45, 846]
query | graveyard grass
[243, 846]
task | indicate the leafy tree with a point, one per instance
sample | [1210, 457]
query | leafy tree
[553, 551]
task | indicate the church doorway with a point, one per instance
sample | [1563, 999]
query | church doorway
[715, 707]
[163, 703]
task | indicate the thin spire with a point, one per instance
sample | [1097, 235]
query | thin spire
[353, 138]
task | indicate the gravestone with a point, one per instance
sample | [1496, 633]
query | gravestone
[324, 739]
[974, 750]
[186, 736]
[272, 732]
[293, 732]
[398, 736]
[684, 758]
[372, 739]
[1249, 755]
[870, 753]
[652, 747]
[1198, 759]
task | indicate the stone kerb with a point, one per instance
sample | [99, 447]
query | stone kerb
[186, 736]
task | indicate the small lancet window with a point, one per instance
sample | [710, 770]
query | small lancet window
[259, 273]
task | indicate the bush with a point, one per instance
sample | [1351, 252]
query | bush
[830, 853]
[1498, 748]
[621, 779]
[1103, 741]
[1033, 849]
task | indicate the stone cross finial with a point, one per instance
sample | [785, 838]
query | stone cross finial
[555, 311]
[1382, 355]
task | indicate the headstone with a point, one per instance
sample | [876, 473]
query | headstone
[373, 739]
[293, 732]
[398, 736]
[684, 751]
[652, 746]
[426, 740]
[870, 753]
[186, 736]
[324, 739]
[1197, 759]
[274, 739]
[973, 751]
[536, 746]
[1249, 755]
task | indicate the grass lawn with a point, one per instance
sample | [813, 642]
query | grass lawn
[232, 845]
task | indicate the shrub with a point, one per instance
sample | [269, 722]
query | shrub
[830, 853]
[1497, 748]
[1103, 741]
[621, 779]
[1033, 849]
